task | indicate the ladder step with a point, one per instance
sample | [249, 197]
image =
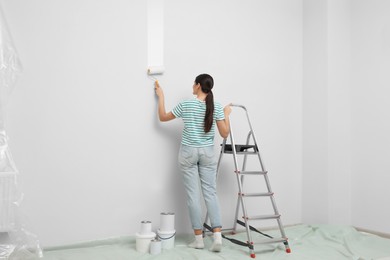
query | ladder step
[270, 240]
[251, 172]
[263, 217]
[263, 194]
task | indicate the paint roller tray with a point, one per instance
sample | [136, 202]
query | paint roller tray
[240, 148]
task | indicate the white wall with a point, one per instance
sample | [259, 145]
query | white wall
[345, 113]
[315, 115]
[326, 112]
[370, 114]
[93, 158]
[339, 111]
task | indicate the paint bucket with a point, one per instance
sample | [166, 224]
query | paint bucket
[155, 247]
[146, 227]
[167, 222]
[144, 237]
[167, 238]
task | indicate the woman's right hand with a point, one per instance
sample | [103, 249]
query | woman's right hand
[158, 89]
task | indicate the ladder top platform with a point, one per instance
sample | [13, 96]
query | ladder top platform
[240, 148]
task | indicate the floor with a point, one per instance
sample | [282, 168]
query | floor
[311, 242]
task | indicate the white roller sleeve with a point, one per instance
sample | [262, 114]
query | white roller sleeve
[156, 70]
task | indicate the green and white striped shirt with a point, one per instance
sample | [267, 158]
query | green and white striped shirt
[192, 111]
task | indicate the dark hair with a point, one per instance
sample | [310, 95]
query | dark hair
[206, 83]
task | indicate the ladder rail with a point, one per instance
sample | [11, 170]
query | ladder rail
[267, 182]
[252, 133]
[242, 182]
[240, 198]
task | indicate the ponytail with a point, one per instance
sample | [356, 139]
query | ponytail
[209, 116]
[206, 82]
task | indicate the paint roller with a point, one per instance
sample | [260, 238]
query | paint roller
[154, 71]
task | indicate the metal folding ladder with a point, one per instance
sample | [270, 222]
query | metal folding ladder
[250, 148]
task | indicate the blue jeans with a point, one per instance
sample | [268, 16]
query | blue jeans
[199, 165]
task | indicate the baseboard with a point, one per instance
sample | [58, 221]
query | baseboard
[381, 234]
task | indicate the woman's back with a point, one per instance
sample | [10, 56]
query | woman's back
[192, 111]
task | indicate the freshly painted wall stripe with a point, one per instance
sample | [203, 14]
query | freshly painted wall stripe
[155, 33]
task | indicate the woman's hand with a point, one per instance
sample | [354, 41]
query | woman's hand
[162, 114]
[158, 89]
[227, 110]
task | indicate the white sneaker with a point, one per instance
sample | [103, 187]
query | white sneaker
[197, 243]
[217, 244]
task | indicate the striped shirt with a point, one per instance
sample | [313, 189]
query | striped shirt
[192, 111]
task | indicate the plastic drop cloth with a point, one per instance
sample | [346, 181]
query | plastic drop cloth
[307, 242]
[16, 243]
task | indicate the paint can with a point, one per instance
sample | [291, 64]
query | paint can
[155, 247]
[146, 227]
[167, 238]
[167, 221]
[144, 237]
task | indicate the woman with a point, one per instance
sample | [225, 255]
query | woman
[197, 159]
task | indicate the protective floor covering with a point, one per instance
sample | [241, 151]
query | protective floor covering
[307, 242]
